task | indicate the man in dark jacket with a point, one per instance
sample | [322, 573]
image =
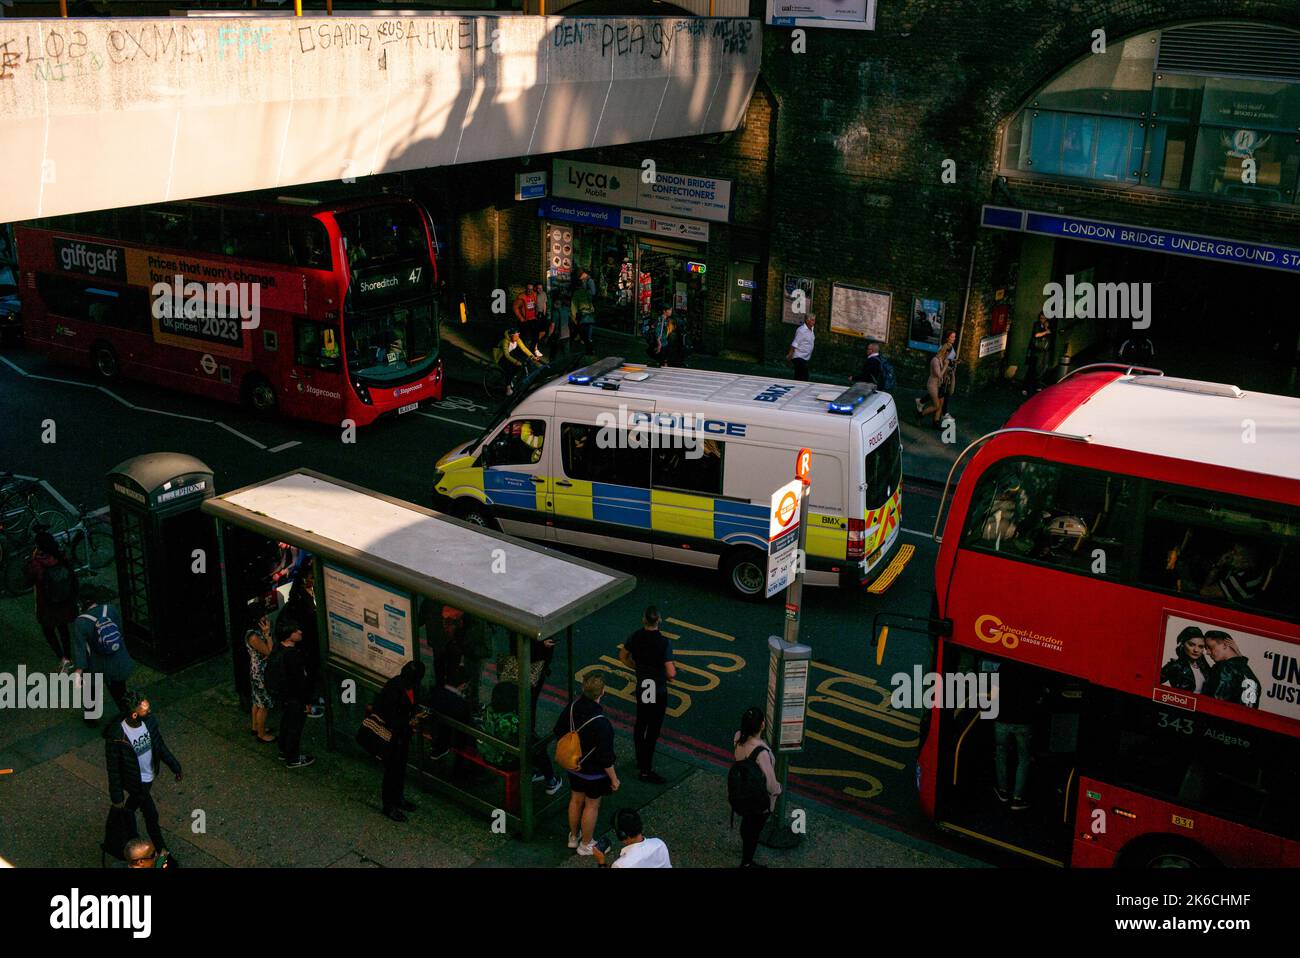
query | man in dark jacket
[596, 776]
[396, 707]
[292, 688]
[650, 654]
[134, 753]
[449, 699]
[872, 369]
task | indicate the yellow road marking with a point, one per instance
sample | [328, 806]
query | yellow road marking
[899, 563]
[700, 628]
[853, 749]
[848, 726]
[1001, 844]
[876, 787]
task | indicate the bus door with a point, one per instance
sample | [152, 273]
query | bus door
[602, 479]
[1010, 779]
[516, 469]
[314, 381]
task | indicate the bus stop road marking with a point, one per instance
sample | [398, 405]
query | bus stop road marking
[454, 422]
[146, 409]
[285, 445]
[700, 628]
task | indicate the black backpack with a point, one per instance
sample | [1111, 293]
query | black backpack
[747, 785]
[275, 674]
[889, 378]
[60, 584]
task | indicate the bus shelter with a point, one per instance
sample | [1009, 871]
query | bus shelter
[376, 558]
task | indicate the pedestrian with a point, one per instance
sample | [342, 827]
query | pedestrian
[286, 680]
[560, 331]
[801, 347]
[448, 701]
[300, 609]
[98, 647]
[501, 720]
[1018, 695]
[636, 850]
[583, 304]
[466, 645]
[134, 753]
[657, 332]
[1040, 339]
[949, 386]
[260, 644]
[543, 304]
[595, 776]
[934, 386]
[541, 652]
[650, 654]
[56, 595]
[587, 283]
[525, 310]
[876, 369]
[748, 747]
[396, 709]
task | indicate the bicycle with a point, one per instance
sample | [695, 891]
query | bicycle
[21, 516]
[90, 537]
[495, 380]
[16, 550]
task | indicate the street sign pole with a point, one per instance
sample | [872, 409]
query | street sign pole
[789, 661]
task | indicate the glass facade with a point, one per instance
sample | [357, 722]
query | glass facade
[1120, 117]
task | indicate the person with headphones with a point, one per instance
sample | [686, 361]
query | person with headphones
[637, 851]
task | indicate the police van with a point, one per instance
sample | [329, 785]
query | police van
[681, 464]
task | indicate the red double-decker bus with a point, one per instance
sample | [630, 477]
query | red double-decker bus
[1130, 542]
[316, 309]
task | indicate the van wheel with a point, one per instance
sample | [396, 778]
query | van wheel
[476, 513]
[104, 360]
[746, 573]
[259, 395]
[1165, 853]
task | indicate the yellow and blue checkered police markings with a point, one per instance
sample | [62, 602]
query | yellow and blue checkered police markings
[680, 464]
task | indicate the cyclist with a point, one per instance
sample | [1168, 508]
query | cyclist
[508, 353]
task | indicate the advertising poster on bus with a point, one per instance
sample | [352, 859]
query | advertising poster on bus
[208, 305]
[369, 624]
[1232, 665]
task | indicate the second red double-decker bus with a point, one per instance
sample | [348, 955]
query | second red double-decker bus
[1125, 556]
[316, 309]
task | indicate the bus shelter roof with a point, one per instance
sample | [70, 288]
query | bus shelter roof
[524, 588]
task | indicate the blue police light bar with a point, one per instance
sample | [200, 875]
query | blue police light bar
[585, 375]
[851, 398]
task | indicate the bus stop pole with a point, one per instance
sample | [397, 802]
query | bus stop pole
[523, 655]
[322, 638]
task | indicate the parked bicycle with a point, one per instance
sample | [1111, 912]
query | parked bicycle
[89, 541]
[21, 512]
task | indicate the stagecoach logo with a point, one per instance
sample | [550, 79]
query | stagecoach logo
[94, 259]
[406, 390]
[317, 391]
[992, 630]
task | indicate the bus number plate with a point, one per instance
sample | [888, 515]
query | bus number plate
[407, 408]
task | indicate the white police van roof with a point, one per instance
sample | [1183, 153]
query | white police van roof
[785, 402]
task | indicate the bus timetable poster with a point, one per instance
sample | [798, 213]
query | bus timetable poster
[1223, 662]
[369, 624]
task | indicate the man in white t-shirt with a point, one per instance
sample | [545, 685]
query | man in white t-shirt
[637, 851]
[801, 348]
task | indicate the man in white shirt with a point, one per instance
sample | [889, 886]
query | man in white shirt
[637, 851]
[801, 348]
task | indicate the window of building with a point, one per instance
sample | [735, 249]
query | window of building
[1058, 515]
[1206, 108]
[694, 469]
[596, 454]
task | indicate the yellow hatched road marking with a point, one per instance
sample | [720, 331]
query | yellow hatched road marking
[700, 628]
[886, 579]
[853, 749]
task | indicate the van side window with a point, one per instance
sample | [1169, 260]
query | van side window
[1238, 553]
[518, 444]
[592, 455]
[1062, 516]
[697, 468]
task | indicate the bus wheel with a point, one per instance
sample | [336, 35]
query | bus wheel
[746, 572]
[259, 395]
[104, 359]
[1166, 853]
[477, 514]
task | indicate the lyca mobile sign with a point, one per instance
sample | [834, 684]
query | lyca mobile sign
[677, 193]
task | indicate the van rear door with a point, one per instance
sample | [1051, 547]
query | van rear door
[880, 496]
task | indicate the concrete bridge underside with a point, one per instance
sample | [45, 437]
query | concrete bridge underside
[96, 114]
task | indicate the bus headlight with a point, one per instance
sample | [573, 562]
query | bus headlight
[362, 392]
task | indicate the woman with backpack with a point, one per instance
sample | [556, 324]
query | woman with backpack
[750, 749]
[257, 638]
[56, 595]
[585, 748]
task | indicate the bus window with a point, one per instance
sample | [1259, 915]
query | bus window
[694, 469]
[316, 346]
[382, 233]
[1050, 513]
[1234, 553]
[590, 458]
[309, 243]
[126, 308]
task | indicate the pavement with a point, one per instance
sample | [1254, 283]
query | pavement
[928, 453]
[238, 807]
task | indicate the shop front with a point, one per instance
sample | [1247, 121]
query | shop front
[639, 255]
